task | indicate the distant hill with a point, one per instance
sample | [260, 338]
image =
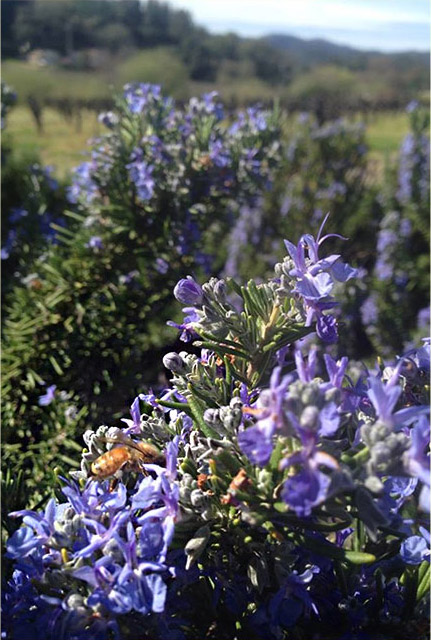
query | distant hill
[319, 51]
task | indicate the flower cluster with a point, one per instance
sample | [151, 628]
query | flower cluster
[99, 555]
[187, 162]
[284, 490]
[154, 200]
[272, 488]
[255, 495]
[414, 163]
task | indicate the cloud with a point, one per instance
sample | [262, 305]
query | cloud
[321, 17]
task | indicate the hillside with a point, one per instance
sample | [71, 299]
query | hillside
[318, 51]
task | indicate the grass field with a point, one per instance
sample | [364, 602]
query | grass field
[62, 143]
[385, 131]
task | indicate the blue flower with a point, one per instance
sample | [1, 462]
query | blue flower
[48, 397]
[83, 186]
[415, 549]
[108, 118]
[138, 95]
[188, 291]
[10, 243]
[384, 398]
[219, 155]
[17, 213]
[187, 327]
[305, 490]
[162, 266]
[95, 242]
[417, 460]
[257, 441]
[315, 279]
[140, 173]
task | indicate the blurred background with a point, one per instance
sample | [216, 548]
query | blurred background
[358, 57]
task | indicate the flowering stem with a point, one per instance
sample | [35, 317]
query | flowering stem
[197, 415]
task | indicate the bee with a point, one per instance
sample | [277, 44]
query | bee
[129, 454]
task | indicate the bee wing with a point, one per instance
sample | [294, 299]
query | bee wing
[128, 442]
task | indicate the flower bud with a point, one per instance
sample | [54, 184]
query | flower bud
[187, 291]
[310, 418]
[174, 362]
[212, 417]
[311, 394]
[220, 291]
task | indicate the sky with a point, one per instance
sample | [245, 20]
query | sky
[382, 25]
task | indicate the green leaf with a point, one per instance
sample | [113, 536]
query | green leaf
[424, 574]
[56, 366]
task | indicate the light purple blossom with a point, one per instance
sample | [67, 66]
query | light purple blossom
[188, 291]
[48, 397]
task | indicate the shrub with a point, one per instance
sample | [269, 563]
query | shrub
[154, 201]
[261, 502]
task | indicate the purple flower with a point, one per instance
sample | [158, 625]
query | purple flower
[128, 278]
[308, 487]
[48, 397]
[95, 242]
[134, 425]
[412, 106]
[140, 173]
[327, 328]
[83, 185]
[219, 155]
[336, 370]
[423, 318]
[417, 460]
[369, 310]
[187, 326]
[138, 95]
[306, 372]
[257, 441]
[162, 266]
[384, 398]
[315, 280]
[10, 243]
[415, 549]
[305, 490]
[212, 106]
[188, 291]
[257, 119]
[16, 213]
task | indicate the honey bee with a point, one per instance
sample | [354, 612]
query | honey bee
[129, 454]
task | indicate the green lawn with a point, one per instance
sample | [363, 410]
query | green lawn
[61, 144]
[385, 131]
[48, 82]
